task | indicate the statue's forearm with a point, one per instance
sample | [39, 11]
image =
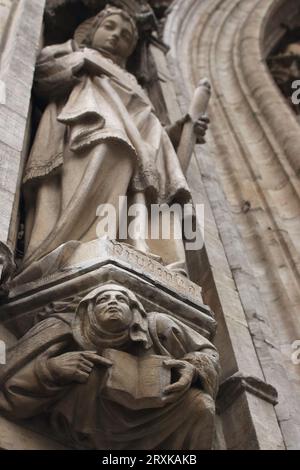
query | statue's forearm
[28, 392]
[56, 70]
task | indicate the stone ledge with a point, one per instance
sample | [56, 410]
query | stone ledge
[76, 267]
[238, 383]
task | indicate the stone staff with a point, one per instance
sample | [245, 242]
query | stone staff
[197, 108]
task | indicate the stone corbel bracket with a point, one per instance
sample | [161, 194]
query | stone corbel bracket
[238, 383]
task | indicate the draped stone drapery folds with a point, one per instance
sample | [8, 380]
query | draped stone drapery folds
[85, 419]
[101, 142]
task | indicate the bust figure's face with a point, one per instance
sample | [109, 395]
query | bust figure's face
[112, 311]
[115, 36]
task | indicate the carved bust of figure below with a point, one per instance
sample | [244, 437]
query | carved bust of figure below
[98, 139]
[115, 377]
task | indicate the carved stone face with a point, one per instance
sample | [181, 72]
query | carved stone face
[115, 36]
[112, 311]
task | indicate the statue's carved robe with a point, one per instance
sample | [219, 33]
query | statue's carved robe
[100, 142]
[81, 417]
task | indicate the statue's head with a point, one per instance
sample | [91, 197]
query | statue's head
[113, 31]
[113, 309]
[110, 316]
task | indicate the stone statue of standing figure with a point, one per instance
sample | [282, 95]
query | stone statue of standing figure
[98, 140]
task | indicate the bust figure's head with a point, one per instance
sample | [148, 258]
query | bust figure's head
[113, 32]
[112, 311]
[110, 316]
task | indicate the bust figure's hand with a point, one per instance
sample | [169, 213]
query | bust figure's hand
[75, 366]
[185, 372]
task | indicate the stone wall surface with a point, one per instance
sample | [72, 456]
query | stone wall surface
[18, 58]
[250, 173]
[5, 7]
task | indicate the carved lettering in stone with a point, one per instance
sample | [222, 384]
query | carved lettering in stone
[179, 282]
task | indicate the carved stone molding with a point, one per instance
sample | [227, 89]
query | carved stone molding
[84, 256]
[231, 388]
[76, 271]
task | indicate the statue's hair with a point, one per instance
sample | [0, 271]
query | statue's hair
[94, 23]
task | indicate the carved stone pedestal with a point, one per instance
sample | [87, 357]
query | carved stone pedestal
[69, 273]
[169, 320]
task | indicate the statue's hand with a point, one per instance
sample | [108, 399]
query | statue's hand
[200, 128]
[75, 366]
[185, 372]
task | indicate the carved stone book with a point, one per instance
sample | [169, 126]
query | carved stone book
[135, 382]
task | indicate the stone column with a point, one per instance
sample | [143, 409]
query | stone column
[5, 7]
[20, 45]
